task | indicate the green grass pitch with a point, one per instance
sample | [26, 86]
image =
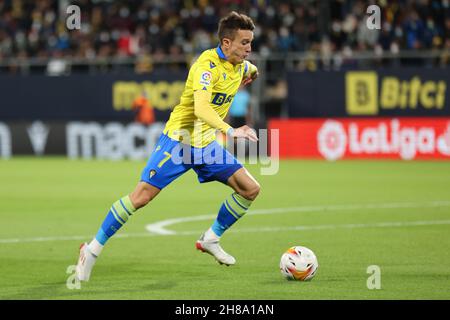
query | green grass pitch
[352, 214]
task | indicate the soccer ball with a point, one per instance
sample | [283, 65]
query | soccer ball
[298, 263]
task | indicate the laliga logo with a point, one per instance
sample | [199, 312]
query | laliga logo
[332, 140]
[206, 76]
[443, 142]
[406, 141]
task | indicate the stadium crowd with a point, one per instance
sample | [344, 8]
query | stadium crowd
[174, 29]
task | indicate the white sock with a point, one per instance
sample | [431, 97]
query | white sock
[95, 247]
[210, 235]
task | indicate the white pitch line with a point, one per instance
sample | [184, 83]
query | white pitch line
[66, 238]
[248, 230]
[332, 226]
[160, 227]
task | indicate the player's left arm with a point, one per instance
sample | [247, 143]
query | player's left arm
[250, 74]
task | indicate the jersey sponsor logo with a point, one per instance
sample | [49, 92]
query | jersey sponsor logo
[205, 78]
[221, 98]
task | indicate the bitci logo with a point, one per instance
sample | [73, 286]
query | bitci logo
[332, 140]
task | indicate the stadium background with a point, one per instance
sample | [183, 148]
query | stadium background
[334, 89]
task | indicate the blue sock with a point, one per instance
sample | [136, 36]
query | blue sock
[119, 213]
[232, 209]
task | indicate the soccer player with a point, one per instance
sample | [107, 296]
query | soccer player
[212, 82]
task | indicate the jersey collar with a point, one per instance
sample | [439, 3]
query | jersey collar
[220, 53]
[228, 65]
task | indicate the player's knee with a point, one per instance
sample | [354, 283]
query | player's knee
[255, 191]
[252, 192]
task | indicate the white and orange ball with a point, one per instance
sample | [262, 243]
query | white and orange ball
[298, 263]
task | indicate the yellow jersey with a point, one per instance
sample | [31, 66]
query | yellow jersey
[214, 73]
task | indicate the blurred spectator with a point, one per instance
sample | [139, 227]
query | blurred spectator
[155, 29]
[144, 62]
[57, 66]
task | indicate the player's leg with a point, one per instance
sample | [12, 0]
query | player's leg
[157, 174]
[120, 212]
[116, 217]
[235, 205]
[143, 194]
[233, 208]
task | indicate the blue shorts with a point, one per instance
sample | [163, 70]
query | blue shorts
[171, 158]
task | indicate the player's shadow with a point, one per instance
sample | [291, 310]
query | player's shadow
[112, 281]
[158, 285]
[59, 290]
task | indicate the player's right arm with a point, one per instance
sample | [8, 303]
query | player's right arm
[204, 112]
[203, 83]
[243, 132]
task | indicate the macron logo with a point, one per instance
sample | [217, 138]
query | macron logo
[212, 65]
[38, 133]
